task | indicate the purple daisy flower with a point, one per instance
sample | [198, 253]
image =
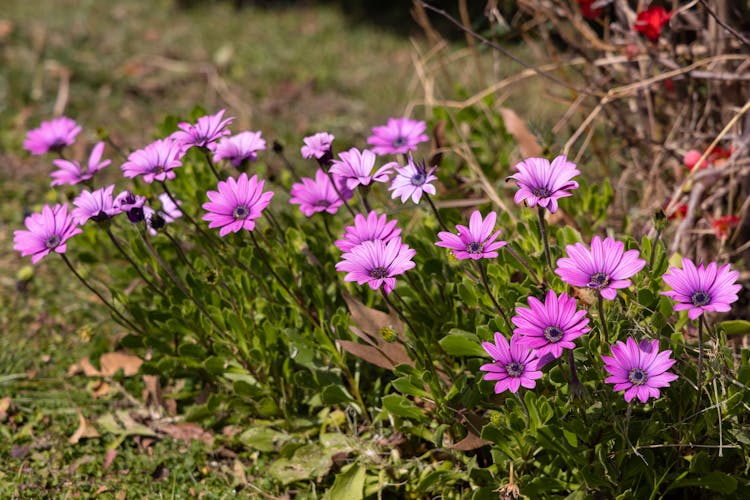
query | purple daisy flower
[237, 204]
[372, 228]
[318, 195]
[700, 289]
[53, 135]
[377, 263]
[47, 231]
[97, 206]
[169, 210]
[412, 180]
[240, 149]
[514, 365]
[400, 135]
[71, 172]
[317, 146]
[638, 368]
[356, 168]
[131, 204]
[476, 241]
[541, 183]
[551, 326]
[155, 162]
[606, 267]
[206, 131]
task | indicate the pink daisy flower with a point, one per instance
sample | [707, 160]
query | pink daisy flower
[97, 206]
[356, 168]
[551, 326]
[317, 146]
[155, 162]
[638, 368]
[541, 183]
[318, 195]
[400, 135]
[46, 232]
[237, 204]
[169, 210]
[514, 365]
[240, 149]
[206, 131]
[476, 241]
[377, 263]
[606, 267]
[53, 135]
[71, 172]
[372, 228]
[699, 289]
[132, 205]
[413, 180]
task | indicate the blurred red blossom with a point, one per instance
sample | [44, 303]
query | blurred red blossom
[650, 21]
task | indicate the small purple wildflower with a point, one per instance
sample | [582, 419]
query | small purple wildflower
[155, 162]
[318, 195]
[206, 131]
[699, 289]
[541, 183]
[317, 146]
[476, 241]
[356, 168]
[71, 172]
[606, 267]
[97, 206]
[514, 365]
[551, 326]
[377, 263]
[638, 368]
[53, 135]
[412, 180]
[400, 135]
[236, 204]
[131, 204]
[47, 231]
[240, 149]
[372, 228]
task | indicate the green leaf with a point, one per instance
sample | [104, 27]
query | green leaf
[462, 344]
[406, 386]
[348, 485]
[715, 481]
[335, 394]
[264, 438]
[399, 406]
[735, 327]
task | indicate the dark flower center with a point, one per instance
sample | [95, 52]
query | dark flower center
[637, 376]
[475, 247]
[158, 169]
[53, 241]
[700, 298]
[418, 179]
[541, 192]
[58, 145]
[100, 216]
[378, 272]
[240, 212]
[399, 142]
[598, 280]
[323, 203]
[136, 215]
[514, 369]
[553, 333]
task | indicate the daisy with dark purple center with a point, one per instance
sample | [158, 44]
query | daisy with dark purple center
[377, 263]
[71, 172]
[317, 146]
[240, 149]
[412, 180]
[97, 206]
[476, 241]
[47, 231]
[551, 326]
[53, 135]
[604, 268]
[374, 227]
[356, 167]
[702, 289]
[206, 131]
[541, 183]
[155, 162]
[236, 204]
[131, 205]
[400, 135]
[318, 195]
[639, 369]
[514, 365]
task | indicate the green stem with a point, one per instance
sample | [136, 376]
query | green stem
[605, 332]
[435, 211]
[363, 192]
[700, 355]
[543, 233]
[119, 247]
[653, 250]
[210, 163]
[486, 283]
[522, 261]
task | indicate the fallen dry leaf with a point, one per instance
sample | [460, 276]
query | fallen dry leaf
[85, 366]
[4, 407]
[516, 127]
[100, 389]
[85, 430]
[109, 457]
[112, 362]
[186, 431]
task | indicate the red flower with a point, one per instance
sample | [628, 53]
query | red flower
[650, 22]
[716, 158]
[722, 225]
[680, 211]
[588, 11]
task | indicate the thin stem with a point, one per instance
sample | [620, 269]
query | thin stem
[179, 249]
[605, 332]
[280, 153]
[338, 192]
[522, 261]
[211, 163]
[435, 210]
[132, 263]
[99, 295]
[653, 250]
[543, 233]
[700, 354]
[363, 191]
[486, 283]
